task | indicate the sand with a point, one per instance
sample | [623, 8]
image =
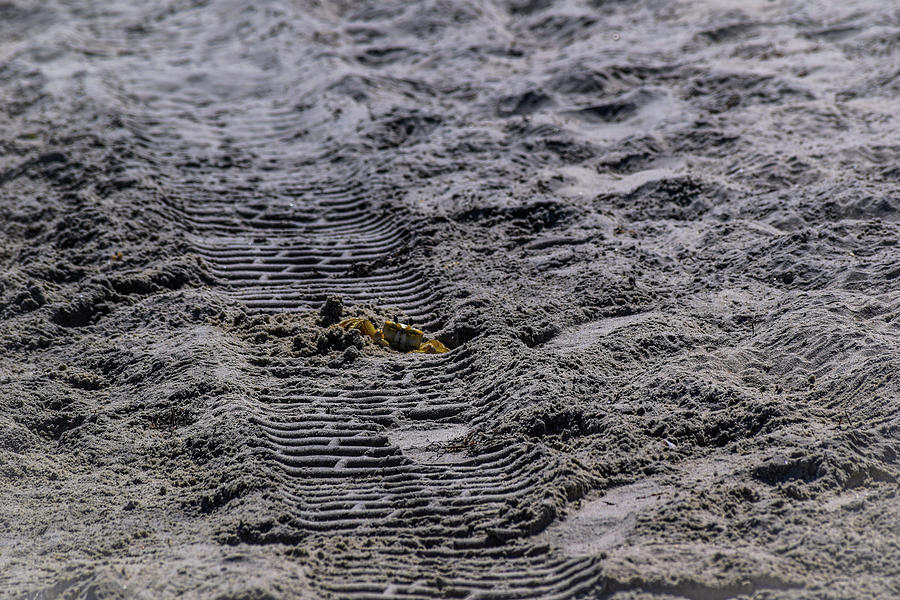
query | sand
[660, 239]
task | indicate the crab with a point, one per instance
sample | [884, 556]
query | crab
[395, 335]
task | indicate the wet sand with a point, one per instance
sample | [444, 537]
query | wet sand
[660, 239]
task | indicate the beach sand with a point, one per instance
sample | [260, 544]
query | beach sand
[660, 239]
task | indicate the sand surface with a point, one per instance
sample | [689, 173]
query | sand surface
[659, 237]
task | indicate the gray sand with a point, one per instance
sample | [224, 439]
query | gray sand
[659, 237]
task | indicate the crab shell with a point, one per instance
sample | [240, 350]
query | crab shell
[403, 337]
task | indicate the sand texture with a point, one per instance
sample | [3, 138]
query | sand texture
[659, 237]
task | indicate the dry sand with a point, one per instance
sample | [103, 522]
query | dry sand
[660, 238]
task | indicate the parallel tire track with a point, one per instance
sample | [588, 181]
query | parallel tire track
[281, 236]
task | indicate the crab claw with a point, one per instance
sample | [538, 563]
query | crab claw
[365, 327]
[432, 347]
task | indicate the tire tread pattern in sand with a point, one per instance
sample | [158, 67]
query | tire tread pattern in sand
[285, 243]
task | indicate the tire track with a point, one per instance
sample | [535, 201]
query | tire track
[281, 236]
[342, 473]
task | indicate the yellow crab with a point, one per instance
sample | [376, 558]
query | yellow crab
[396, 335]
